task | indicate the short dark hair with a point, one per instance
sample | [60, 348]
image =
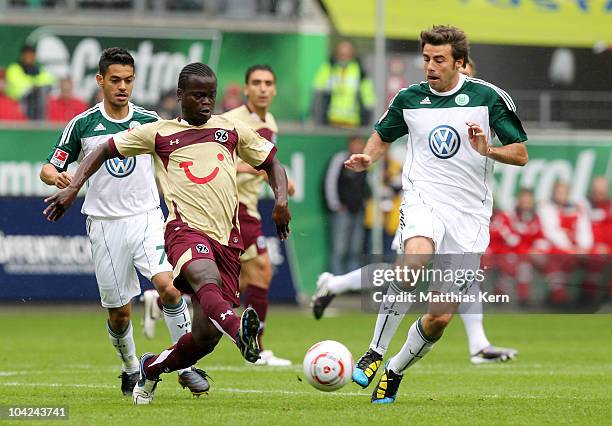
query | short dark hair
[195, 68]
[112, 56]
[258, 67]
[444, 34]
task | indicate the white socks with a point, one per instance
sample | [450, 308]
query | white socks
[339, 284]
[416, 346]
[390, 316]
[477, 339]
[178, 321]
[471, 314]
[125, 346]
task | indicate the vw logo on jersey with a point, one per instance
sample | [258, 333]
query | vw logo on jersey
[120, 168]
[444, 141]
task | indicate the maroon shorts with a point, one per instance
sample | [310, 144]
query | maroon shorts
[185, 244]
[250, 231]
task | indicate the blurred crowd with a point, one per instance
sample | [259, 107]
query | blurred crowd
[343, 92]
[555, 252]
[29, 92]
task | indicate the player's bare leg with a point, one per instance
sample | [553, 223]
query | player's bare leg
[255, 279]
[121, 335]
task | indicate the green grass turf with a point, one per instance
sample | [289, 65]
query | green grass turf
[62, 356]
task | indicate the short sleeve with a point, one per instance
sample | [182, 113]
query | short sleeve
[67, 148]
[254, 149]
[136, 141]
[505, 122]
[392, 125]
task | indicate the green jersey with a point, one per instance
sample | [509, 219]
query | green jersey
[120, 187]
[441, 166]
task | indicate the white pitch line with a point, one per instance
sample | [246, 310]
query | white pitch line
[215, 389]
[302, 393]
[57, 385]
[282, 392]
[66, 369]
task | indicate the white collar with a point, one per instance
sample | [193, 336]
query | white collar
[453, 90]
[112, 120]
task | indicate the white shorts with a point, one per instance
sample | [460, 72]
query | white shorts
[119, 245]
[459, 238]
[451, 231]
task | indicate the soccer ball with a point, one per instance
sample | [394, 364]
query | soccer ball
[328, 365]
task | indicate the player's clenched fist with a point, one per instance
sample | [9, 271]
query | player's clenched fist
[63, 179]
[358, 162]
[59, 203]
[281, 217]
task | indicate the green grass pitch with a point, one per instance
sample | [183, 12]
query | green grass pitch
[62, 356]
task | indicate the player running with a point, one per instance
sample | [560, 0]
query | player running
[194, 159]
[329, 286]
[447, 199]
[124, 220]
[256, 271]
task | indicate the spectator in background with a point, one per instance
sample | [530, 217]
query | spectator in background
[65, 106]
[10, 109]
[345, 193]
[600, 213]
[168, 106]
[232, 98]
[396, 79]
[515, 236]
[567, 227]
[29, 83]
[344, 94]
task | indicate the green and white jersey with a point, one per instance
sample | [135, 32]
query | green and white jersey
[120, 187]
[441, 166]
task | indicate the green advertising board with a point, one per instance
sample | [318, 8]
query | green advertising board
[576, 159]
[161, 53]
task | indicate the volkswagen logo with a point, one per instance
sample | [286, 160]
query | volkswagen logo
[120, 168]
[444, 141]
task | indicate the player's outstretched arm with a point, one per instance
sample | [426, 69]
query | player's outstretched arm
[278, 182]
[374, 150]
[62, 200]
